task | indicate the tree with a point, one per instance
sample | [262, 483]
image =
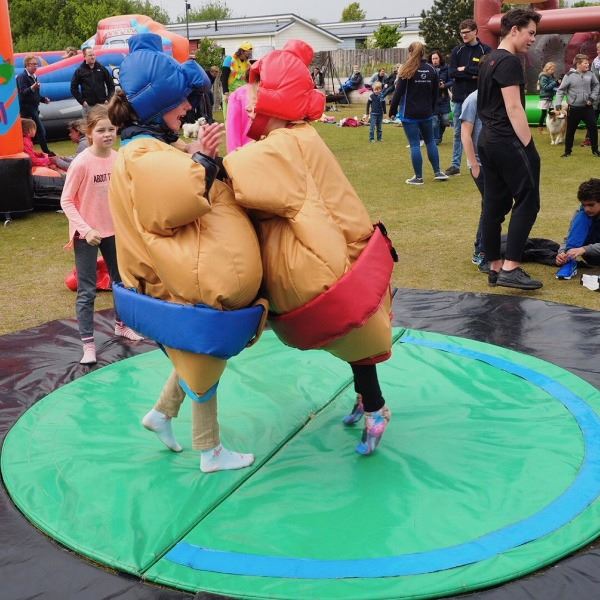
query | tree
[208, 54]
[353, 12]
[209, 11]
[584, 3]
[56, 24]
[387, 36]
[439, 25]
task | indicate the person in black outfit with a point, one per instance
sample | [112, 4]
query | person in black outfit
[464, 69]
[91, 83]
[28, 88]
[442, 108]
[509, 159]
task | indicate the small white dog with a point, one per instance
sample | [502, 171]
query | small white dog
[190, 130]
[556, 123]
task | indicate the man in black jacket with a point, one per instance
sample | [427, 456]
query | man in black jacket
[464, 69]
[30, 97]
[91, 83]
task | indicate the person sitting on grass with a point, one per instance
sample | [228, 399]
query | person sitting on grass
[583, 238]
[40, 159]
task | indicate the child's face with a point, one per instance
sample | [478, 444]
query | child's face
[174, 118]
[591, 208]
[32, 133]
[377, 91]
[103, 135]
[74, 135]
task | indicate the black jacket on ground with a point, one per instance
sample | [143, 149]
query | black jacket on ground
[94, 86]
[469, 57]
[416, 97]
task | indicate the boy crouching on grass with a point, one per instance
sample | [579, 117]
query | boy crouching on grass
[583, 238]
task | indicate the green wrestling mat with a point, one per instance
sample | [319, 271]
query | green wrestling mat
[489, 469]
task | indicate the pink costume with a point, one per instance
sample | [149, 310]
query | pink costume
[237, 121]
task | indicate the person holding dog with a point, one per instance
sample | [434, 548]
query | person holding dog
[581, 88]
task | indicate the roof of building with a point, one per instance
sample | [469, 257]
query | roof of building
[352, 29]
[247, 27]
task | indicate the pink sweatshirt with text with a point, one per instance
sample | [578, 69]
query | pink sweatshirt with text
[85, 195]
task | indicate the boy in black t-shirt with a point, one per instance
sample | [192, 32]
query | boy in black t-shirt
[510, 162]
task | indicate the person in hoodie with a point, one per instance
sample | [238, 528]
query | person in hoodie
[464, 71]
[416, 94]
[442, 108]
[580, 87]
[327, 269]
[187, 253]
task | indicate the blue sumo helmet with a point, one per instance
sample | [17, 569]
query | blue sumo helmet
[153, 81]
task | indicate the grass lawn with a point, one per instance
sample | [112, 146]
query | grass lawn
[432, 226]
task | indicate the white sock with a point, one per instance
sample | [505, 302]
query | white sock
[221, 459]
[161, 425]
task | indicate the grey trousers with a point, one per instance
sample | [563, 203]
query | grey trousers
[85, 263]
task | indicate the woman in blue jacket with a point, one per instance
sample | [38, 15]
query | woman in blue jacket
[441, 116]
[416, 96]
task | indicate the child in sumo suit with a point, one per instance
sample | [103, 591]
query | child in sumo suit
[181, 238]
[327, 269]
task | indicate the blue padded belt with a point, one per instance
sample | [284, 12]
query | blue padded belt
[199, 329]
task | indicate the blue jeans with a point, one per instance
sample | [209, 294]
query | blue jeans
[457, 148]
[440, 122]
[375, 122]
[414, 131]
[85, 263]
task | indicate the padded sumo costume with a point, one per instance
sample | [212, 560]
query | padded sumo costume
[182, 240]
[326, 268]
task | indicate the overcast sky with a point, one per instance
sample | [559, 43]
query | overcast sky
[322, 10]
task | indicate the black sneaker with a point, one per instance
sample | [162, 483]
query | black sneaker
[492, 277]
[50, 153]
[484, 267]
[565, 155]
[595, 153]
[517, 278]
[452, 170]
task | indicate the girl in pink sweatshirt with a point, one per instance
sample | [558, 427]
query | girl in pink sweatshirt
[85, 203]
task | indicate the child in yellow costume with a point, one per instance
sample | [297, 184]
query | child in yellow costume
[182, 241]
[326, 268]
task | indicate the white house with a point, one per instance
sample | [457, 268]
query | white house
[267, 31]
[354, 34]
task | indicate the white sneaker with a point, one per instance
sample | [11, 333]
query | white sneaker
[591, 282]
[441, 176]
[414, 181]
[160, 424]
[221, 459]
[89, 354]
[421, 143]
[129, 334]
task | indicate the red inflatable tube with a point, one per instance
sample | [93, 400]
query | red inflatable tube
[102, 277]
[346, 305]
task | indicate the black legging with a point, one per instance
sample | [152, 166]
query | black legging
[366, 384]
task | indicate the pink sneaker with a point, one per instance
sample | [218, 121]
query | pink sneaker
[375, 425]
[357, 412]
[129, 334]
[89, 354]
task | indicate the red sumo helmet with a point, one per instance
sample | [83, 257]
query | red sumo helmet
[286, 89]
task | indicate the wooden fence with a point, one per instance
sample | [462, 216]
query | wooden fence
[341, 62]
